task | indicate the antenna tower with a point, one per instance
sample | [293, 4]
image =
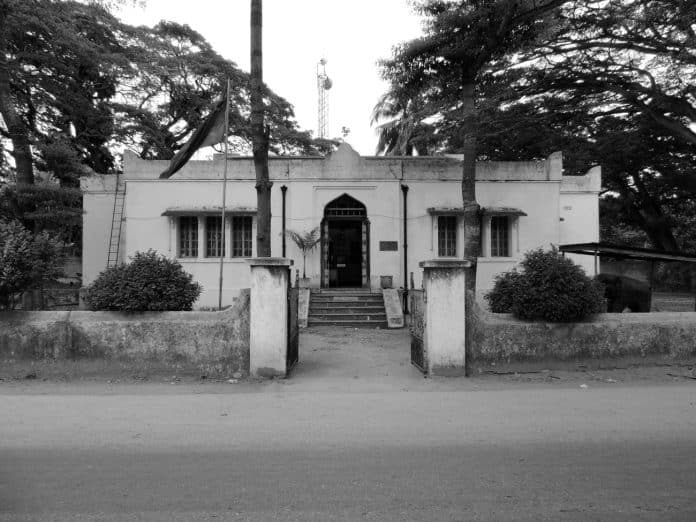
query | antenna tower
[323, 85]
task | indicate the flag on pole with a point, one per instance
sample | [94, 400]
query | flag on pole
[211, 132]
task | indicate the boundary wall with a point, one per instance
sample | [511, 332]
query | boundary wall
[502, 341]
[216, 342]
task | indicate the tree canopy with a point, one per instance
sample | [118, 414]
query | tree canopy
[608, 82]
[77, 84]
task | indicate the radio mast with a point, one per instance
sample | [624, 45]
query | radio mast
[323, 85]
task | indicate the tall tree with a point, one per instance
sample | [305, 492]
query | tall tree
[400, 130]
[175, 83]
[16, 131]
[634, 55]
[608, 82]
[612, 84]
[56, 77]
[73, 77]
[260, 134]
[441, 70]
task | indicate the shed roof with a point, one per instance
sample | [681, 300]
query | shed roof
[623, 252]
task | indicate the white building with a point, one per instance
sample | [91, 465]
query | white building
[359, 204]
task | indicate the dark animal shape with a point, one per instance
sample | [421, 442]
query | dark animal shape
[625, 292]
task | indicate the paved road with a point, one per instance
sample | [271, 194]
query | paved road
[269, 452]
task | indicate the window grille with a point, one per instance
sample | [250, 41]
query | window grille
[344, 212]
[241, 236]
[213, 237]
[345, 206]
[447, 236]
[500, 237]
[188, 236]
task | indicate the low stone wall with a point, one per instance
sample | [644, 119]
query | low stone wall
[215, 342]
[500, 340]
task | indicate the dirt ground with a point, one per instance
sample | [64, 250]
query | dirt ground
[340, 359]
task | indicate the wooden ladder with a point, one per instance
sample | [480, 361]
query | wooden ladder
[116, 221]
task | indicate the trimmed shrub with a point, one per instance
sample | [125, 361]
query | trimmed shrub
[550, 287]
[150, 282]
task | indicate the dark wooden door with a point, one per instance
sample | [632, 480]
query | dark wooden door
[345, 253]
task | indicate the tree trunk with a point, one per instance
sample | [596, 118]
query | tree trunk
[259, 135]
[648, 213]
[21, 147]
[472, 219]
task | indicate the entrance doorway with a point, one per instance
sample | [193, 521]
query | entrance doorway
[345, 254]
[344, 243]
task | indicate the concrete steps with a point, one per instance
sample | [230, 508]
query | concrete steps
[351, 307]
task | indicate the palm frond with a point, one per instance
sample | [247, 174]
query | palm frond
[305, 241]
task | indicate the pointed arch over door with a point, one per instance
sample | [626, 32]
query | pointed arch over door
[345, 243]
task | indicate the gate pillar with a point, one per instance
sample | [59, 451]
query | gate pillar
[268, 316]
[444, 302]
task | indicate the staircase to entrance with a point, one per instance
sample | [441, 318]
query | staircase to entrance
[347, 307]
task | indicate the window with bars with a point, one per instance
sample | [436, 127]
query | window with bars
[241, 236]
[188, 236]
[213, 237]
[500, 236]
[447, 236]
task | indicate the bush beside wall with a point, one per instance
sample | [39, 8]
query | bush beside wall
[215, 342]
[550, 287]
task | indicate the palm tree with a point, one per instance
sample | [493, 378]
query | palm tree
[400, 129]
[305, 241]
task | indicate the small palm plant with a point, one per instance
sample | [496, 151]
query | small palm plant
[305, 241]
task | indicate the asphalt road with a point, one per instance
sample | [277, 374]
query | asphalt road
[271, 452]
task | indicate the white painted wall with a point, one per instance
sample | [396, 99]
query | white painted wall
[536, 188]
[579, 212]
[97, 207]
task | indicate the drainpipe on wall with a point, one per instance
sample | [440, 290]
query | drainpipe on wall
[284, 189]
[404, 190]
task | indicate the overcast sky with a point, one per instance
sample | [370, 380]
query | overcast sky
[351, 35]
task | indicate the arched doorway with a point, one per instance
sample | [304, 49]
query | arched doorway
[345, 239]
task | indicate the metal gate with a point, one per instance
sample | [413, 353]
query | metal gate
[293, 329]
[417, 328]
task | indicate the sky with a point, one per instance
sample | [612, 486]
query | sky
[351, 35]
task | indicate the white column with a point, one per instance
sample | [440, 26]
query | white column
[444, 336]
[228, 236]
[268, 320]
[486, 236]
[172, 244]
[201, 237]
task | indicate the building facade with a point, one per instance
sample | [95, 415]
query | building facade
[363, 207]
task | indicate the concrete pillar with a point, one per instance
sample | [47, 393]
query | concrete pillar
[268, 316]
[443, 283]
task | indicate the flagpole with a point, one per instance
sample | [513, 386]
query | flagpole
[224, 188]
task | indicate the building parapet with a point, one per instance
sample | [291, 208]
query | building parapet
[590, 182]
[346, 164]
